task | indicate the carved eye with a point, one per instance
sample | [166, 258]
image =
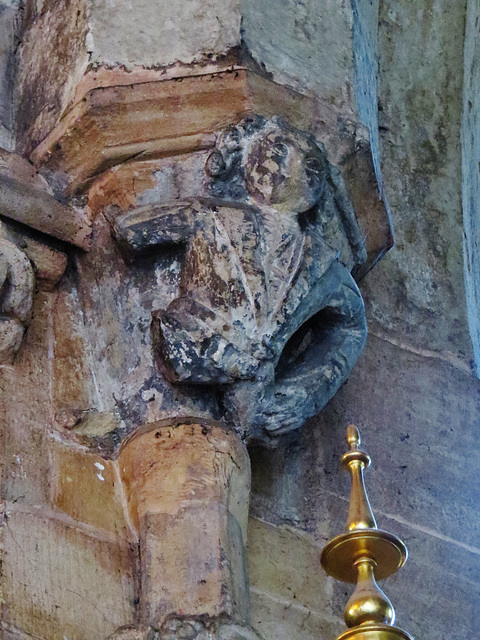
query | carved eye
[313, 165]
[215, 164]
[232, 140]
[280, 149]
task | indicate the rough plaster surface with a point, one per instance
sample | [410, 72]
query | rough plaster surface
[160, 33]
[416, 296]
[471, 173]
[293, 38]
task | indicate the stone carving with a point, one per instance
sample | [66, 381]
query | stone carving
[17, 284]
[267, 310]
[189, 628]
[202, 629]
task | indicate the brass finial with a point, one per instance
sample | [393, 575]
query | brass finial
[363, 554]
[360, 514]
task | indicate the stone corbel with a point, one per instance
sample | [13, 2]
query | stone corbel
[267, 312]
[268, 320]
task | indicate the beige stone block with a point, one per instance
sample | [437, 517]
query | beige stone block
[87, 487]
[172, 465]
[284, 564]
[187, 484]
[62, 582]
[290, 595]
[72, 378]
[277, 619]
[161, 33]
[25, 406]
[194, 564]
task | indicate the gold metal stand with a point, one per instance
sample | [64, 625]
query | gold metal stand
[362, 555]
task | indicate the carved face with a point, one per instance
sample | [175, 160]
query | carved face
[285, 170]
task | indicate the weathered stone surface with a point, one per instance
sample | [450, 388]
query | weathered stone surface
[283, 563]
[278, 619]
[15, 166]
[417, 295]
[8, 33]
[26, 410]
[62, 39]
[105, 128]
[371, 212]
[52, 58]
[73, 384]
[328, 49]
[41, 211]
[441, 572]
[188, 629]
[109, 126]
[471, 174]
[63, 581]
[25, 197]
[187, 485]
[416, 416]
[17, 283]
[87, 488]
[237, 309]
[48, 262]
[290, 596]
[291, 39]
[161, 33]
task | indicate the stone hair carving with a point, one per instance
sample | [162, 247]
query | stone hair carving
[267, 310]
[17, 283]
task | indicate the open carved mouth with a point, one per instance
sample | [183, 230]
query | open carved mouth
[319, 330]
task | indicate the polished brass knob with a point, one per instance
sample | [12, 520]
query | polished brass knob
[368, 603]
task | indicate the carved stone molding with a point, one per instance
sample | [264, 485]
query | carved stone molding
[26, 197]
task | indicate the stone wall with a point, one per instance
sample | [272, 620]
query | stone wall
[471, 176]
[69, 569]
[413, 393]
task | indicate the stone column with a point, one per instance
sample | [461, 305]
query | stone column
[187, 484]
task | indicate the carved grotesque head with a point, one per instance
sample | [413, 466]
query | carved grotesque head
[267, 315]
[269, 162]
[284, 170]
